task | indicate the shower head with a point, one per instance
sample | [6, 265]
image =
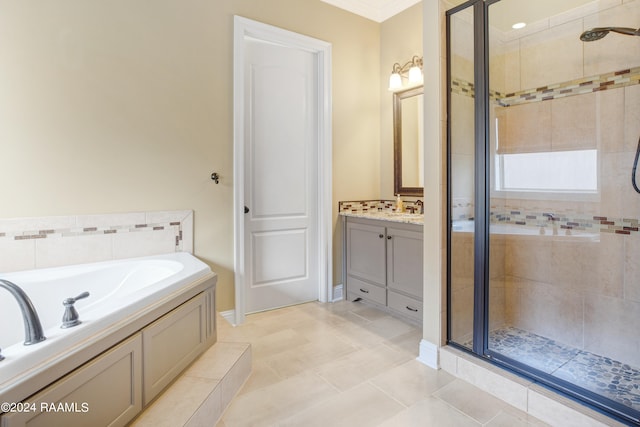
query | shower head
[598, 33]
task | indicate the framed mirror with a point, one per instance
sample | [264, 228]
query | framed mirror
[408, 145]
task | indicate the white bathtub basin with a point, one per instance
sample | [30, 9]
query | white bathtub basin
[119, 289]
[500, 228]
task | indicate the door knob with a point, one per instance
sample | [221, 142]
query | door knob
[246, 209]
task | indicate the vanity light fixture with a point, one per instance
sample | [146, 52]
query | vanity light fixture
[412, 70]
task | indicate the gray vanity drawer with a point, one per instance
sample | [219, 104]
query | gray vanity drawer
[409, 307]
[357, 288]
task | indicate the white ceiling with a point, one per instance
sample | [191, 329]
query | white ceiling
[376, 10]
[505, 14]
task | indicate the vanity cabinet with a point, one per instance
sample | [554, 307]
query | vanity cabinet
[384, 264]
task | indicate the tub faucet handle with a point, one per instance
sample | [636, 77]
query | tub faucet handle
[71, 317]
[73, 300]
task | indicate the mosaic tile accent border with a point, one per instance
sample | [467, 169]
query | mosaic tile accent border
[567, 221]
[363, 206]
[579, 86]
[176, 226]
[465, 88]
[41, 242]
[463, 210]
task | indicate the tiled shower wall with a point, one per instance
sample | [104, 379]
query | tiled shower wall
[29, 243]
[583, 293]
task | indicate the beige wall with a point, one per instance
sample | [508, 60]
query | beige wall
[400, 40]
[120, 106]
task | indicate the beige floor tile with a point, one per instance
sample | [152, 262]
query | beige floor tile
[388, 327]
[211, 409]
[268, 405]
[412, 381]
[430, 412]
[277, 320]
[236, 377]
[369, 313]
[309, 356]
[345, 364]
[217, 361]
[276, 343]
[506, 419]
[177, 404]
[247, 332]
[261, 376]
[409, 342]
[471, 400]
[364, 405]
[359, 335]
[319, 328]
[362, 365]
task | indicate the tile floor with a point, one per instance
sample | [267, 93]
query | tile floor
[616, 380]
[348, 364]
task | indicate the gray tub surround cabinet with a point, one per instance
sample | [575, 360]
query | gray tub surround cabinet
[383, 260]
[120, 374]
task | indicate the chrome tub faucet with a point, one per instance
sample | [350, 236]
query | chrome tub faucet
[32, 328]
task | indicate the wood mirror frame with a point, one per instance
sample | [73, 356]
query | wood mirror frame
[398, 186]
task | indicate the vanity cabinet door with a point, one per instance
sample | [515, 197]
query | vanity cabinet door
[366, 252]
[404, 261]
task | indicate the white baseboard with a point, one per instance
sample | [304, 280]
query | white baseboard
[229, 316]
[338, 293]
[428, 354]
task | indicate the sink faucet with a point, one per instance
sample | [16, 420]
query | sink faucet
[32, 328]
[421, 204]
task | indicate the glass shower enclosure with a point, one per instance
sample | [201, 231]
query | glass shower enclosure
[543, 239]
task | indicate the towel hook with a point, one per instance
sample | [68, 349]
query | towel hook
[215, 177]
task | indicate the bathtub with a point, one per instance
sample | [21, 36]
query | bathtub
[548, 231]
[125, 295]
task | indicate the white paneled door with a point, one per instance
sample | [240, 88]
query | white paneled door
[282, 138]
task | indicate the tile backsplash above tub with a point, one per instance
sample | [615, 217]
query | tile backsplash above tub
[28, 243]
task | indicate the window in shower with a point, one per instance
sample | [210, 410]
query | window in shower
[573, 171]
[549, 285]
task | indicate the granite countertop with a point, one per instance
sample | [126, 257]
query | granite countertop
[405, 217]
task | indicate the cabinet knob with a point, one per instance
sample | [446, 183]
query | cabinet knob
[388, 237]
[381, 236]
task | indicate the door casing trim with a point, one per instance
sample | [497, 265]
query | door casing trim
[247, 28]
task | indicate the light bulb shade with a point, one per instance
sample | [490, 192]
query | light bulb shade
[415, 75]
[395, 81]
